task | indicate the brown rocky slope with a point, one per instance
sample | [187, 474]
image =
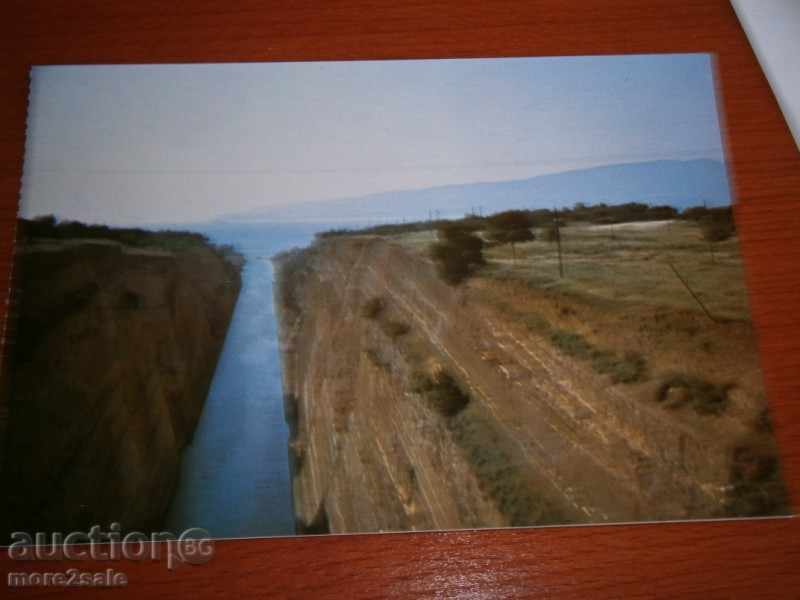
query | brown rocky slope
[113, 351]
[416, 405]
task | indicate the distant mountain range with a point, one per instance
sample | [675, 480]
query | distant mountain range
[679, 183]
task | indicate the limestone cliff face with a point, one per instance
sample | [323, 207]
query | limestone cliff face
[112, 356]
[366, 326]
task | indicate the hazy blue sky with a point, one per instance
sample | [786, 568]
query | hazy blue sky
[181, 143]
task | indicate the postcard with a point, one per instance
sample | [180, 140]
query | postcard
[381, 296]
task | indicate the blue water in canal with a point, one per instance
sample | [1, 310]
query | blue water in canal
[234, 479]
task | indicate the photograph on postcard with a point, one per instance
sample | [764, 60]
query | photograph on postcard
[375, 296]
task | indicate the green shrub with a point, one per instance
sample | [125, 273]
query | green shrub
[459, 232]
[458, 253]
[717, 230]
[703, 213]
[536, 323]
[628, 368]
[510, 227]
[441, 392]
[48, 227]
[514, 225]
[551, 233]
[755, 485]
[453, 264]
[706, 398]
[572, 344]
[395, 329]
[500, 474]
[373, 307]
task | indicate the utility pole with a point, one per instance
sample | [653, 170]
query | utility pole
[558, 242]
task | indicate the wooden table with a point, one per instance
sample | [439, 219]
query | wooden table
[705, 560]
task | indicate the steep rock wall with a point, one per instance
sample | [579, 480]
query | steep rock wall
[542, 440]
[113, 353]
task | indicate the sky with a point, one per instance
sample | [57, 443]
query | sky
[139, 144]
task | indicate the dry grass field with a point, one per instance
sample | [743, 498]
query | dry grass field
[626, 263]
[638, 364]
[644, 304]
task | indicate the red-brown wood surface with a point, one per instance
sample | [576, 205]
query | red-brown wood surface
[721, 559]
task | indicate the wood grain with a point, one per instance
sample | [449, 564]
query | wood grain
[721, 559]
